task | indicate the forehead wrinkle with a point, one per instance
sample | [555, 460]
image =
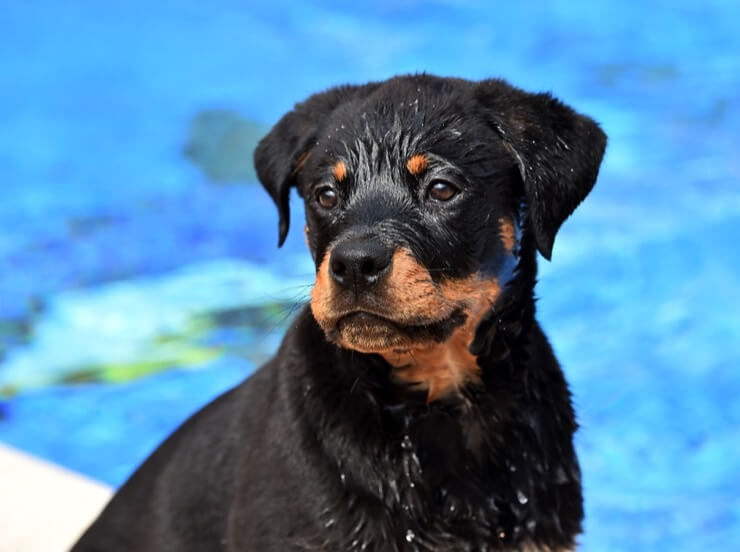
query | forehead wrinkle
[382, 145]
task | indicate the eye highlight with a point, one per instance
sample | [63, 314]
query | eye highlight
[441, 190]
[327, 197]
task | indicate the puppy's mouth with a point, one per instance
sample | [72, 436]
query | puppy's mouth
[369, 332]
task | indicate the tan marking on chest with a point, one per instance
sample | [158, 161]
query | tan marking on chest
[507, 232]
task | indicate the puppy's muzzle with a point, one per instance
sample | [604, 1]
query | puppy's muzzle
[358, 264]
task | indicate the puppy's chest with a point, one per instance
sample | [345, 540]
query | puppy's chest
[428, 496]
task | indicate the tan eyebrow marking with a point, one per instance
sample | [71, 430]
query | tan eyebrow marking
[339, 171]
[417, 164]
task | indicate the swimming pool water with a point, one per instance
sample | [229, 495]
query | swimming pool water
[140, 275]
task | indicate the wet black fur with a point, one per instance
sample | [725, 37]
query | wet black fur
[319, 450]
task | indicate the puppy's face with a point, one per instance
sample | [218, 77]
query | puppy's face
[413, 192]
[411, 208]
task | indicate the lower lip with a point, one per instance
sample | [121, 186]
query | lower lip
[369, 322]
[362, 317]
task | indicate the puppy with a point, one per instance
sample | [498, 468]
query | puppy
[416, 404]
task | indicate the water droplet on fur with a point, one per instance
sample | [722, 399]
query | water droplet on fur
[531, 524]
[410, 536]
[406, 444]
[521, 497]
[343, 477]
[560, 476]
[556, 523]
[502, 535]
[452, 508]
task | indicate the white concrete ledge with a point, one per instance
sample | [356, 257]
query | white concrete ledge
[43, 507]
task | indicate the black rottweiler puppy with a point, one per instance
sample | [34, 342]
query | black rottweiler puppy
[416, 404]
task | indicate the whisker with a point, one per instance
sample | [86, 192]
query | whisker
[277, 319]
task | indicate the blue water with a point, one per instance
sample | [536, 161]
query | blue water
[138, 281]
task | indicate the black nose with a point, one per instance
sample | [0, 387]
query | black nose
[358, 264]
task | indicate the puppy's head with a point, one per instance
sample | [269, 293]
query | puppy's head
[416, 192]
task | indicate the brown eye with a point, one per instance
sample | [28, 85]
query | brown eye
[327, 198]
[442, 191]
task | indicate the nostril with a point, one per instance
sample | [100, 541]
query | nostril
[338, 267]
[368, 267]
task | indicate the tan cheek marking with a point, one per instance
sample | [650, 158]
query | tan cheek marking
[417, 164]
[410, 292]
[321, 304]
[507, 233]
[339, 171]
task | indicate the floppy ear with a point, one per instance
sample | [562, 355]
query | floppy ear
[281, 154]
[558, 152]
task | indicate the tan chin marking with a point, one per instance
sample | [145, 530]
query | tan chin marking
[507, 233]
[442, 368]
[370, 338]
